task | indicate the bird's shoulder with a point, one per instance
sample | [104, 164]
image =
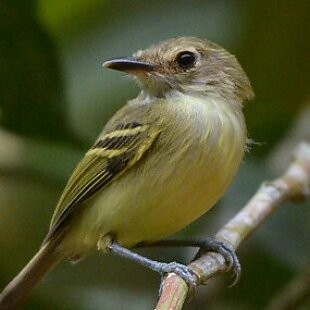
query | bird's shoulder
[123, 142]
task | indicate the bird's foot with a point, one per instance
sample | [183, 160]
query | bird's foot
[226, 250]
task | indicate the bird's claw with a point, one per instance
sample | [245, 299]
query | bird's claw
[227, 251]
[185, 272]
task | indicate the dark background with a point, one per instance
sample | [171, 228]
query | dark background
[55, 98]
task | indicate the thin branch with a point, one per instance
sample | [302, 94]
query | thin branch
[292, 185]
[294, 294]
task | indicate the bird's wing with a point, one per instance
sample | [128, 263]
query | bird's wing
[113, 153]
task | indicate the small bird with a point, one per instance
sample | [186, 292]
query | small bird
[160, 162]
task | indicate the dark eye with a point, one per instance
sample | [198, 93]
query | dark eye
[186, 60]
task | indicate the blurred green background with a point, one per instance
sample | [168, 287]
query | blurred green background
[55, 98]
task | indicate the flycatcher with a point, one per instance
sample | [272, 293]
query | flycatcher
[161, 162]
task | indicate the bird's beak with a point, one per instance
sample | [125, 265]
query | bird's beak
[129, 65]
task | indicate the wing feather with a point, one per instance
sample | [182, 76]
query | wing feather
[112, 154]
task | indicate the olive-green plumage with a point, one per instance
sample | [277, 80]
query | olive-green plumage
[161, 162]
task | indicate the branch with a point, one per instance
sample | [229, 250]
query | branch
[294, 294]
[292, 185]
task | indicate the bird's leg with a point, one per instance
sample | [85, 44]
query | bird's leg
[205, 245]
[186, 273]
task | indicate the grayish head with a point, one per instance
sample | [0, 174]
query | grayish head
[187, 65]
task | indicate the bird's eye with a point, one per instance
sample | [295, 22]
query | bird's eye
[186, 60]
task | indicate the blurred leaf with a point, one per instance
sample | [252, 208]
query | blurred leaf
[65, 18]
[31, 90]
[275, 54]
[52, 162]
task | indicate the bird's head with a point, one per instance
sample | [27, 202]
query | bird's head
[187, 65]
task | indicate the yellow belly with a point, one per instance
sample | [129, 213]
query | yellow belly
[165, 192]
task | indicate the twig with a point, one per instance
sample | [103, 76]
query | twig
[292, 185]
[294, 294]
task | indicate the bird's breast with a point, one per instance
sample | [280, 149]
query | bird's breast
[183, 175]
[186, 172]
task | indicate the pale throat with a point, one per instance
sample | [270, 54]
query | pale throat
[211, 100]
[160, 88]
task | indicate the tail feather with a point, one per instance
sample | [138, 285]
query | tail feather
[18, 289]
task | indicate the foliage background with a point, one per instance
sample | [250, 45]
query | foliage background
[55, 98]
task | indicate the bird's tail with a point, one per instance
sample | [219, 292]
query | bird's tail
[18, 289]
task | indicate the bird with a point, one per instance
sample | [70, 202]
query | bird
[162, 161]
